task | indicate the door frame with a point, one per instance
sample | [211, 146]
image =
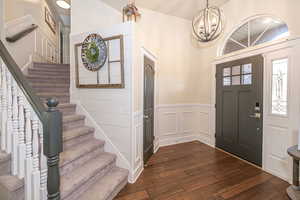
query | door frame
[151, 56]
[263, 50]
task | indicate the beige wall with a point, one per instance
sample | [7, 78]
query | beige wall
[15, 9]
[179, 64]
[1, 18]
[236, 12]
[92, 14]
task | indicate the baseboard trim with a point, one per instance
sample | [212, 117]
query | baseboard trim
[136, 173]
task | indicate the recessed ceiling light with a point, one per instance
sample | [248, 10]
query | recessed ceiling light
[63, 4]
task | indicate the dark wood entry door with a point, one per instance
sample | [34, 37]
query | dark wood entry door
[148, 108]
[239, 108]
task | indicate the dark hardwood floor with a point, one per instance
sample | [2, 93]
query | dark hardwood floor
[195, 171]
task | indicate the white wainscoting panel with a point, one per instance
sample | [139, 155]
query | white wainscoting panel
[183, 123]
[174, 124]
[137, 147]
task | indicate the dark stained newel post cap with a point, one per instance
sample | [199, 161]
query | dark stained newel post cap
[52, 103]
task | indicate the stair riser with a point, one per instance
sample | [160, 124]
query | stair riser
[48, 72]
[5, 194]
[67, 111]
[78, 140]
[60, 99]
[81, 161]
[73, 124]
[51, 90]
[118, 189]
[46, 75]
[82, 187]
[48, 80]
[49, 65]
[5, 168]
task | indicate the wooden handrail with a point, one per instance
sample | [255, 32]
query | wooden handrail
[22, 33]
[17, 74]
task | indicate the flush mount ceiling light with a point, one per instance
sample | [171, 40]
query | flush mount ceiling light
[208, 24]
[63, 4]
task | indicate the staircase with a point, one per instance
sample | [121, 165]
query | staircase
[87, 172]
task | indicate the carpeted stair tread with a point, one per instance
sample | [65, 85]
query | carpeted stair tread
[75, 152]
[5, 163]
[71, 118]
[72, 181]
[108, 186]
[73, 121]
[4, 157]
[11, 183]
[77, 132]
[67, 108]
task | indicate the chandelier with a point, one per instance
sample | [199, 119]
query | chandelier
[208, 24]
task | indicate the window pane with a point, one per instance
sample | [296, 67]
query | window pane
[236, 70]
[247, 69]
[226, 81]
[279, 86]
[236, 80]
[231, 47]
[241, 35]
[247, 79]
[227, 71]
[254, 32]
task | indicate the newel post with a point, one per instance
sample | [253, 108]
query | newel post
[53, 146]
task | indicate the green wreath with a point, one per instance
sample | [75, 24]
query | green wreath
[92, 52]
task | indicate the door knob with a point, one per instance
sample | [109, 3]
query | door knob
[255, 115]
[146, 117]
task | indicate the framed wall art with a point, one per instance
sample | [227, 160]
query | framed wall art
[49, 19]
[110, 75]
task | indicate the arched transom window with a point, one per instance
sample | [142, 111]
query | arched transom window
[254, 32]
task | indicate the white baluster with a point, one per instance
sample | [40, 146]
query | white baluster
[9, 114]
[4, 110]
[15, 129]
[1, 74]
[1, 89]
[28, 157]
[21, 147]
[35, 162]
[43, 165]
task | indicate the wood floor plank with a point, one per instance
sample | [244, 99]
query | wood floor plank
[195, 171]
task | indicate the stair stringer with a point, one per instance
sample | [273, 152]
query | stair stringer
[100, 134]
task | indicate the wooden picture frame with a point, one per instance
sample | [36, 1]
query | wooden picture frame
[108, 62]
[49, 19]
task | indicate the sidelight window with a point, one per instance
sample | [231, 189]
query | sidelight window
[279, 86]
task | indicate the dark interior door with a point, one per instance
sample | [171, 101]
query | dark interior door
[239, 104]
[148, 108]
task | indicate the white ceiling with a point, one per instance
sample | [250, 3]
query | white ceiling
[186, 9]
[63, 13]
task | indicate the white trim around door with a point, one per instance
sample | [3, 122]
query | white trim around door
[280, 132]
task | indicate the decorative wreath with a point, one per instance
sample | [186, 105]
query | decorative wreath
[93, 52]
